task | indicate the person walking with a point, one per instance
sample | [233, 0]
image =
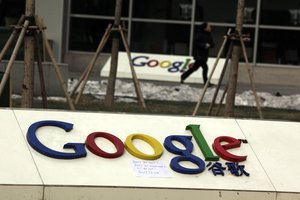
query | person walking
[203, 41]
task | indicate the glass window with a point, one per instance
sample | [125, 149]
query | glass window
[11, 11]
[163, 9]
[279, 46]
[223, 11]
[250, 12]
[97, 7]
[160, 38]
[215, 11]
[85, 34]
[275, 12]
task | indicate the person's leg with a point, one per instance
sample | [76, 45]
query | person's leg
[187, 73]
[204, 71]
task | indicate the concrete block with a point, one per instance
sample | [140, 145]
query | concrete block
[53, 86]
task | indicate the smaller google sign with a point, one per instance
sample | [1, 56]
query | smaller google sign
[160, 67]
[171, 66]
[182, 154]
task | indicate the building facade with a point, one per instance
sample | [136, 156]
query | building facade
[168, 26]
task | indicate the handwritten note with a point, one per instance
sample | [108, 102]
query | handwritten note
[151, 169]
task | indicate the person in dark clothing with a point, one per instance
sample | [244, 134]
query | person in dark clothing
[203, 41]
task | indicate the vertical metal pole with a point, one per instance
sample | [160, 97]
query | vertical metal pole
[236, 52]
[109, 98]
[130, 21]
[192, 27]
[256, 35]
[68, 25]
[27, 89]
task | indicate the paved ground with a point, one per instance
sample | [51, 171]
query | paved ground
[273, 89]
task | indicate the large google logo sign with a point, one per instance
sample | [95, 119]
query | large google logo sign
[185, 154]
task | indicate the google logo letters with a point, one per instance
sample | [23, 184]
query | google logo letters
[176, 66]
[184, 154]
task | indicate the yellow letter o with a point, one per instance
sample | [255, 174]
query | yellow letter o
[157, 147]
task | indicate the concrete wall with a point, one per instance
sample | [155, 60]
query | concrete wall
[53, 87]
[53, 13]
[270, 75]
[78, 61]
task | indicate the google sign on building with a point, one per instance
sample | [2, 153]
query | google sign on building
[57, 155]
[161, 67]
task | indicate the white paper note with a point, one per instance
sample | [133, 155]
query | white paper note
[151, 169]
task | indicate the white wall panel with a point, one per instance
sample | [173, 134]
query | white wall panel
[18, 173]
[276, 145]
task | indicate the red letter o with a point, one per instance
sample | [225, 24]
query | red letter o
[92, 146]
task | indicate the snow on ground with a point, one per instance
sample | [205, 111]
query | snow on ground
[125, 92]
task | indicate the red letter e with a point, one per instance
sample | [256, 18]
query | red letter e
[221, 149]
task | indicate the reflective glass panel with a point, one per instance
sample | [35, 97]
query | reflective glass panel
[98, 7]
[163, 9]
[160, 38]
[85, 34]
[278, 12]
[279, 46]
[223, 11]
[11, 11]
